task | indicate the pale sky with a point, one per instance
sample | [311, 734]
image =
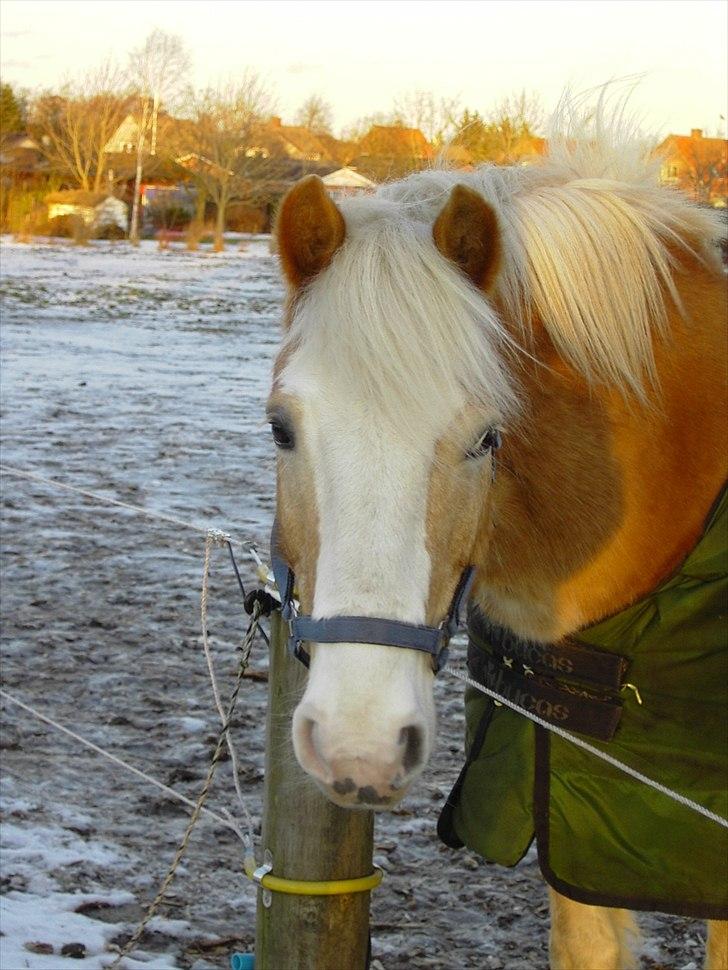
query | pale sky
[359, 55]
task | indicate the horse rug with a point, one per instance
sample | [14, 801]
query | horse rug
[603, 837]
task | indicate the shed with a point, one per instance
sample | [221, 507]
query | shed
[96, 209]
[347, 181]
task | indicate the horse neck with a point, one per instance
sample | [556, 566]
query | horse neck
[598, 498]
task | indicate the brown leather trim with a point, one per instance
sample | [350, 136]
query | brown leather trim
[569, 658]
[562, 705]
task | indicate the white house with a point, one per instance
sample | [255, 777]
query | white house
[125, 138]
[346, 182]
[97, 209]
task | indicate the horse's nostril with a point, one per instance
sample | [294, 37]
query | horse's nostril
[306, 746]
[413, 740]
[345, 787]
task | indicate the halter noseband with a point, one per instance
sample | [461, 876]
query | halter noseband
[366, 629]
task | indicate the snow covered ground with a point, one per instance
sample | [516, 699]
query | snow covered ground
[43, 925]
[143, 374]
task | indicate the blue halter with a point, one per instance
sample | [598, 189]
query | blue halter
[366, 629]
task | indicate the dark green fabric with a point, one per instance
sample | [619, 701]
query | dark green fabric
[494, 814]
[603, 837]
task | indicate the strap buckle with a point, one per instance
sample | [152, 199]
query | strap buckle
[295, 642]
[451, 623]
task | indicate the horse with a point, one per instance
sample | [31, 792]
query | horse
[518, 371]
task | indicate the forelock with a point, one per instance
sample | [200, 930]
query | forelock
[400, 329]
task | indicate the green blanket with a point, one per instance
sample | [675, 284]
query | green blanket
[604, 838]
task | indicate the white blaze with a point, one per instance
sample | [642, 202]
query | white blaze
[371, 487]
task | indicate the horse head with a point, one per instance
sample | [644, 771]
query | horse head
[388, 396]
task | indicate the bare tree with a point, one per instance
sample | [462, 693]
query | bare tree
[475, 135]
[513, 124]
[316, 115]
[704, 175]
[74, 126]
[435, 118]
[506, 135]
[223, 144]
[355, 131]
[158, 70]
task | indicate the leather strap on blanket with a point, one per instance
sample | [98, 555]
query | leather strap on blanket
[567, 658]
[539, 677]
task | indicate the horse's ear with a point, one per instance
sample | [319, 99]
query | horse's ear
[309, 229]
[466, 232]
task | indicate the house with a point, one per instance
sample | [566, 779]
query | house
[392, 151]
[124, 142]
[21, 152]
[337, 150]
[163, 195]
[22, 162]
[396, 141]
[697, 165]
[345, 182]
[125, 138]
[23, 174]
[95, 209]
[297, 142]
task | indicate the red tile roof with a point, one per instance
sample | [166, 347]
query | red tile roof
[393, 140]
[693, 146]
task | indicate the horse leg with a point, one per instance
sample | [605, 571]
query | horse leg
[716, 952]
[590, 936]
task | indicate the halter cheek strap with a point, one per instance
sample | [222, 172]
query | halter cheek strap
[366, 629]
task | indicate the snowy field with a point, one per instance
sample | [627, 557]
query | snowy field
[143, 374]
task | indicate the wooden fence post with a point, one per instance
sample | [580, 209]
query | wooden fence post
[309, 838]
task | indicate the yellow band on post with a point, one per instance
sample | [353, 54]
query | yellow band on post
[333, 887]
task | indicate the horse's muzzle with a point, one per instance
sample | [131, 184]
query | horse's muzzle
[355, 773]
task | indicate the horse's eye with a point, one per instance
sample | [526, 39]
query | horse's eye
[490, 440]
[282, 435]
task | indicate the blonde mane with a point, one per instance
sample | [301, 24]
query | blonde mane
[590, 242]
[400, 327]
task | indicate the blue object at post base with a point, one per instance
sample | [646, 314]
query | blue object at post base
[242, 961]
